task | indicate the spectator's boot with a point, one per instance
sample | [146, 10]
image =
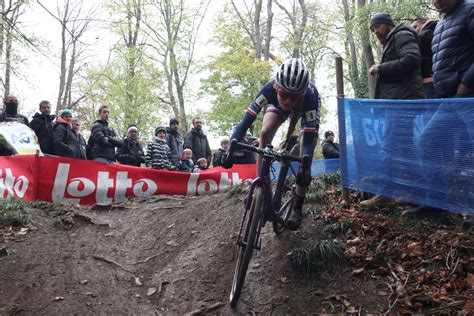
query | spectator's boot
[296, 217]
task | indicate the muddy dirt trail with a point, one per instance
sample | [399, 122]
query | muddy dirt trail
[165, 256]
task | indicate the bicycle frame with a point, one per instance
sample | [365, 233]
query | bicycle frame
[271, 204]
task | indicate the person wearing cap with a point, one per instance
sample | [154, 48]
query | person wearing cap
[103, 139]
[158, 154]
[330, 148]
[66, 142]
[10, 111]
[174, 141]
[197, 141]
[397, 76]
[131, 153]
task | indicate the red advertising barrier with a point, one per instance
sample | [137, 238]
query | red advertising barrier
[86, 182]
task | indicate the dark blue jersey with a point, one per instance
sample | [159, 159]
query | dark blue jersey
[267, 96]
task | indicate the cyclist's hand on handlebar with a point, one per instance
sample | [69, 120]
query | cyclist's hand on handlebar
[256, 142]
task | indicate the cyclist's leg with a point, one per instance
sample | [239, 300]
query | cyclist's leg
[270, 125]
[297, 215]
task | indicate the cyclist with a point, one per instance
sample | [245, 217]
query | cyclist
[289, 94]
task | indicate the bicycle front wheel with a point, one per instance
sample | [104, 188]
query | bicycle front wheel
[247, 246]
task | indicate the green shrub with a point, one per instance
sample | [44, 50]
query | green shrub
[318, 257]
[14, 212]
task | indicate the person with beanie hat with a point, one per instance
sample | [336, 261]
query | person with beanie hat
[381, 18]
[158, 153]
[174, 141]
[10, 111]
[66, 142]
[330, 148]
[397, 76]
[131, 153]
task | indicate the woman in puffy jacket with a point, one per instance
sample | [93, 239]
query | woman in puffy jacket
[66, 142]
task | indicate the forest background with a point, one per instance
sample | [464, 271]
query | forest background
[150, 60]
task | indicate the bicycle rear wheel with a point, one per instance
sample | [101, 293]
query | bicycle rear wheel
[285, 213]
[247, 246]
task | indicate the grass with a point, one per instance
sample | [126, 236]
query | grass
[318, 257]
[317, 190]
[337, 228]
[14, 212]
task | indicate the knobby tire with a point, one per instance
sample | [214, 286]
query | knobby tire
[246, 249]
[287, 202]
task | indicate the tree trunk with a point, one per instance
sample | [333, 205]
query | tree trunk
[68, 86]
[367, 48]
[353, 67]
[268, 30]
[8, 60]
[258, 36]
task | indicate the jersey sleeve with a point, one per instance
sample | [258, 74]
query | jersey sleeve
[310, 120]
[251, 113]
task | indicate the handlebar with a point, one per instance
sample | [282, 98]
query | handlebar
[264, 152]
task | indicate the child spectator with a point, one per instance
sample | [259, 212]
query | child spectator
[186, 164]
[216, 161]
[158, 152]
[201, 165]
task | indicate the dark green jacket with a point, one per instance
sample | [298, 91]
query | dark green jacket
[399, 74]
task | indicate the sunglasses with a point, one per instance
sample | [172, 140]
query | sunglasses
[289, 95]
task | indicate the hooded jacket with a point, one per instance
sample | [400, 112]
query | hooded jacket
[399, 75]
[158, 155]
[104, 140]
[198, 143]
[175, 143]
[43, 125]
[425, 36]
[453, 50]
[66, 142]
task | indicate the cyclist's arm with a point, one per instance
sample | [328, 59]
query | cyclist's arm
[250, 115]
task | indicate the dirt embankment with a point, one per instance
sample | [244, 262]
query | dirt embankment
[169, 255]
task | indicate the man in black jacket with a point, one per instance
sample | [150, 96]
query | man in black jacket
[330, 148]
[174, 141]
[398, 76]
[42, 124]
[197, 142]
[10, 111]
[131, 153]
[103, 139]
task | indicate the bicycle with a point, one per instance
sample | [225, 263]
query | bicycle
[262, 206]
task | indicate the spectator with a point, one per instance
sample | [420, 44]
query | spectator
[197, 141]
[76, 126]
[66, 143]
[217, 160]
[42, 124]
[245, 157]
[174, 141]
[186, 164]
[131, 153]
[158, 153]
[398, 76]
[425, 28]
[103, 139]
[201, 165]
[330, 148]
[453, 77]
[10, 111]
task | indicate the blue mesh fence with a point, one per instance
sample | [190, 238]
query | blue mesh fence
[418, 151]
[317, 167]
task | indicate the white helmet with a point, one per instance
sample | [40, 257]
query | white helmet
[293, 75]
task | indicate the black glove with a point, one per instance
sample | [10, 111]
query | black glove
[303, 179]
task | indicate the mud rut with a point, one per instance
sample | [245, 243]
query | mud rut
[167, 255]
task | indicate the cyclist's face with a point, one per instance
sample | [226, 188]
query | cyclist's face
[288, 100]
